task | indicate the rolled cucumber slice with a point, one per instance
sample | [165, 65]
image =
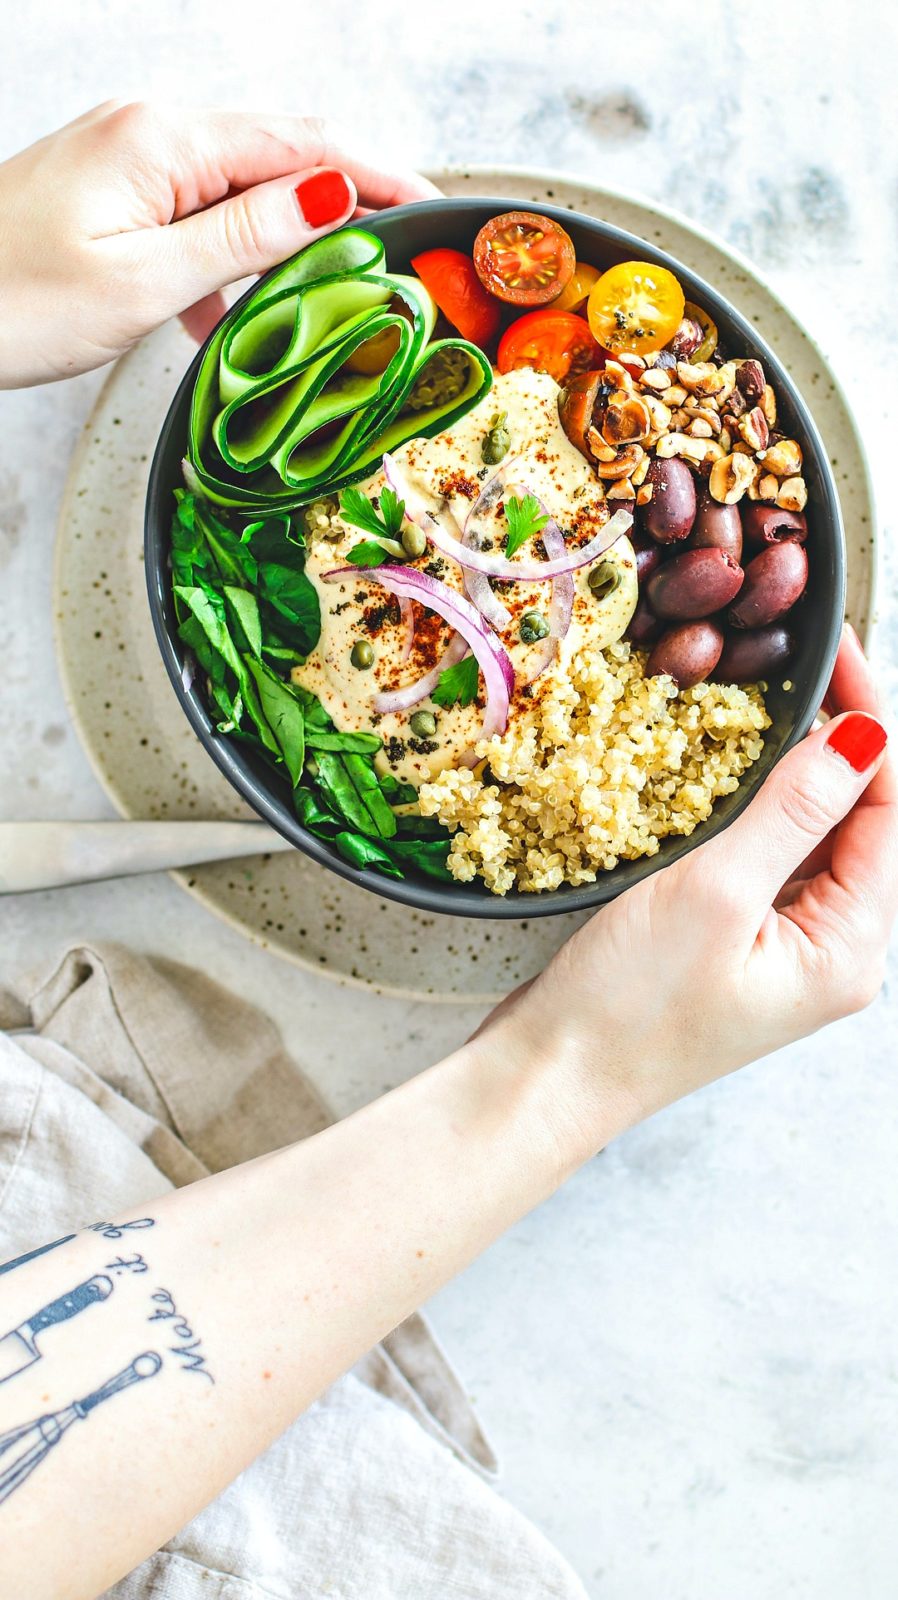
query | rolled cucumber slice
[277, 418]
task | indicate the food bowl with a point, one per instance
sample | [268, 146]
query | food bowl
[406, 231]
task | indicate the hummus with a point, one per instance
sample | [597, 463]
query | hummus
[450, 468]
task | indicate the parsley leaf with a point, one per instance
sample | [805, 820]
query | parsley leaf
[359, 511]
[524, 520]
[458, 684]
[369, 553]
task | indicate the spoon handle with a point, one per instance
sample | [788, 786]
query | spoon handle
[49, 855]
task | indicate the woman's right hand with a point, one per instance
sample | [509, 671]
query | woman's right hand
[766, 933]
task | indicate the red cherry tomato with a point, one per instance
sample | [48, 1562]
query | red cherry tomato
[550, 341]
[449, 276]
[523, 258]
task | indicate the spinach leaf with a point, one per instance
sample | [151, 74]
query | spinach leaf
[361, 852]
[294, 600]
[284, 716]
[340, 792]
[270, 539]
[367, 787]
[390, 856]
[359, 743]
[398, 794]
[244, 608]
[313, 813]
[428, 855]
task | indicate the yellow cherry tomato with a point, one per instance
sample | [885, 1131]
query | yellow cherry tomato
[575, 292]
[375, 354]
[635, 308]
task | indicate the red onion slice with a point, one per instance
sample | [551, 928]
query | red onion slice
[517, 571]
[407, 613]
[404, 699]
[493, 661]
[477, 584]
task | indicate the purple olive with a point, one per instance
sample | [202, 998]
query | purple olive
[750, 380]
[687, 339]
[765, 524]
[670, 513]
[774, 580]
[756, 654]
[694, 584]
[643, 627]
[649, 555]
[689, 652]
[716, 527]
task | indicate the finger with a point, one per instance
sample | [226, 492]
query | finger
[247, 233]
[198, 320]
[806, 795]
[854, 688]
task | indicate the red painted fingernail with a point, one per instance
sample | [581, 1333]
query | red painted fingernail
[322, 198]
[858, 739]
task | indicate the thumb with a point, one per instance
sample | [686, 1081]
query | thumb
[806, 795]
[249, 232]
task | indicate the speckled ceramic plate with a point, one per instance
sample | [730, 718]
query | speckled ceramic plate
[141, 746]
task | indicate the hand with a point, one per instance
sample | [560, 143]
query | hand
[135, 213]
[763, 935]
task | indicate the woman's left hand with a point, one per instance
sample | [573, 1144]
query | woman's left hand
[135, 213]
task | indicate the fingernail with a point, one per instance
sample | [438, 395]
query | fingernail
[858, 739]
[322, 198]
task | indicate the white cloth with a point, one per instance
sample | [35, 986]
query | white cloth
[129, 1077]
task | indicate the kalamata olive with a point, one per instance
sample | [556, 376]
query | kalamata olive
[694, 584]
[765, 524]
[756, 654]
[773, 582]
[689, 653]
[670, 513]
[649, 555]
[576, 404]
[643, 627]
[716, 527]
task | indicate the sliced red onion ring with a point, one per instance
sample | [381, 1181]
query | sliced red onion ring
[561, 605]
[516, 571]
[404, 699]
[477, 584]
[493, 661]
[407, 613]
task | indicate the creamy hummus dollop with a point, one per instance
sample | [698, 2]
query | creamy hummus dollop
[450, 468]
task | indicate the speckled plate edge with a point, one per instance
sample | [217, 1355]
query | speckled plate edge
[491, 178]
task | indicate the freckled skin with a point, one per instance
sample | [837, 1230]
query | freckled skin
[447, 467]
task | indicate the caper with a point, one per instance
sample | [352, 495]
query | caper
[497, 441]
[362, 654]
[533, 626]
[413, 541]
[423, 724]
[603, 580]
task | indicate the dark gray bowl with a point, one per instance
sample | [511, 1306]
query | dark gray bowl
[405, 231]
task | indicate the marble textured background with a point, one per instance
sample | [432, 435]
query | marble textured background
[688, 1358]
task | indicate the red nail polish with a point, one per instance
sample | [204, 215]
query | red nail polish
[322, 198]
[858, 739]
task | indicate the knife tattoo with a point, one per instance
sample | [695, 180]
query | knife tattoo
[36, 1439]
[18, 1348]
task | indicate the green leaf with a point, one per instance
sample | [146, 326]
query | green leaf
[427, 855]
[244, 607]
[294, 599]
[272, 539]
[458, 684]
[368, 554]
[364, 853]
[284, 715]
[398, 794]
[524, 519]
[340, 792]
[313, 813]
[363, 775]
[362, 744]
[360, 512]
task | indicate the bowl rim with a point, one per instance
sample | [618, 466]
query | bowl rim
[459, 899]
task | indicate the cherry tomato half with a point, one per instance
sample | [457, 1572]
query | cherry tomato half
[449, 276]
[523, 258]
[573, 295]
[635, 308]
[550, 341]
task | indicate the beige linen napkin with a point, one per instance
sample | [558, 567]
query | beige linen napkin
[130, 1076]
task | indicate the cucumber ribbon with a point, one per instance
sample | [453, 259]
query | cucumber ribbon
[277, 418]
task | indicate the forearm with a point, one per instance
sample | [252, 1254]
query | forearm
[282, 1273]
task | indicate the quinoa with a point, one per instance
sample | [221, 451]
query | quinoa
[601, 767]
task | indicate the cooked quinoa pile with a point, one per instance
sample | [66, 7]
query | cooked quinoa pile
[600, 766]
